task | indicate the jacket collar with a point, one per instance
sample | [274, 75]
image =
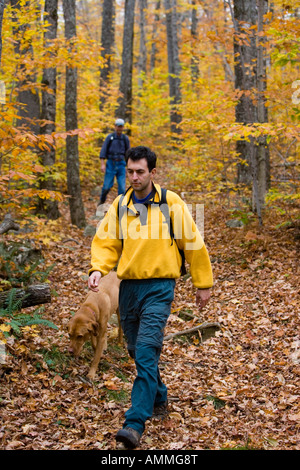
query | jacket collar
[129, 202]
[128, 194]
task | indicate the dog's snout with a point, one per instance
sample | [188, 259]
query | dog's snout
[75, 349]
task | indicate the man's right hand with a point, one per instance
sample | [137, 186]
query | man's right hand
[202, 297]
[103, 166]
[93, 281]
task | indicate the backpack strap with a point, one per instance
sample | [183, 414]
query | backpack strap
[126, 142]
[122, 209]
[163, 205]
[112, 137]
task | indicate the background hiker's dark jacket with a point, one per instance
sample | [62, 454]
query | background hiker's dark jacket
[115, 147]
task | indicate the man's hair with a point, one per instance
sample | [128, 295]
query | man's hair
[137, 153]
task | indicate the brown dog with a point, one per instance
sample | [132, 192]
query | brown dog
[90, 322]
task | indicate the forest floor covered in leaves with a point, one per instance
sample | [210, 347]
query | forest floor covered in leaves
[238, 389]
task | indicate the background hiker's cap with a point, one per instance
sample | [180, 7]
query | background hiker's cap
[119, 122]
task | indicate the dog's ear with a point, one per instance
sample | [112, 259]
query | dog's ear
[94, 328]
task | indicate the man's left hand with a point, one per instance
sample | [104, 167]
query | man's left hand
[202, 297]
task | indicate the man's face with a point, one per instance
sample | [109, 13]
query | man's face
[119, 129]
[139, 176]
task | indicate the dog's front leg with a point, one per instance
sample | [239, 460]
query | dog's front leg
[97, 354]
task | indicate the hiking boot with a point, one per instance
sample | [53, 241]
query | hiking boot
[129, 437]
[160, 411]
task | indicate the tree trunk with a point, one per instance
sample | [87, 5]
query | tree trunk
[2, 6]
[124, 110]
[32, 295]
[107, 42]
[28, 96]
[245, 18]
[142, 60]
[250, 81]
[73, 176]
[48, 113]
[154, 36]
[173, 65]
[2, 84]
[194, 37]
[263, 156]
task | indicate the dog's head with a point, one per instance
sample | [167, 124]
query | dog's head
[80, 329]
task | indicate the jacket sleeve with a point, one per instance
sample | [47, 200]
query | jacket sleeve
[189, 239]
[103, 152]
[106, 246]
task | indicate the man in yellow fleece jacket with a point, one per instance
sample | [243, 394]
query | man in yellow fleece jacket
[146, 241]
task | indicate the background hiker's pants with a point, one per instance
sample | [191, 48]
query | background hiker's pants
[114, 169]
[145, 306]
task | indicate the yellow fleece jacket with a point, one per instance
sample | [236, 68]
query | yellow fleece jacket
[142, 244]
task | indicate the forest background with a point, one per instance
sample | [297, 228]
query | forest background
[213, 87]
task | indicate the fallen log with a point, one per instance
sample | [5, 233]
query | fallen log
[36, 294]
[207, 330]
[8, 224]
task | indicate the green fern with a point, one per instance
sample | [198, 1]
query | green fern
[13, 304]
[19, 320]
[22, 320]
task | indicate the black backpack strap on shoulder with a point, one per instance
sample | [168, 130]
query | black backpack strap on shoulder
[111, 138]
[122, 209]
[163, 205]
[126, 142]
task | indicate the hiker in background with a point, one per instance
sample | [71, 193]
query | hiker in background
[143, 233]
[113, 151]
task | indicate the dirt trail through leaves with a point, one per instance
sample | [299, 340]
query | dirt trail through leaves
[239, 388]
